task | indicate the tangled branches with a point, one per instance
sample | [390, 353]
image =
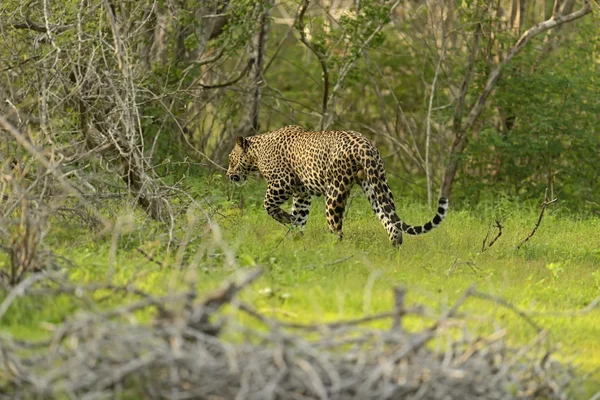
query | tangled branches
[184, 354]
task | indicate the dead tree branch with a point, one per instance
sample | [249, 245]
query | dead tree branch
[508, 305]
[545, 204]
[485, 246]
[29, 24]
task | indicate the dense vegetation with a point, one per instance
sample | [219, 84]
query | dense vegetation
[183, 80]
[116, 118]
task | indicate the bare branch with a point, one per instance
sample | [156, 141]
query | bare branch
[508, 305]
[52, 168]
[180, 352]
[485, 246]
[545, 204]
[119, 50]
[464, 87]
[242, 74]
[542, 27]
[29, 24]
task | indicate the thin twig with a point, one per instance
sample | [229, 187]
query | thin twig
[52, 168]
[231, 82]
[508, 305]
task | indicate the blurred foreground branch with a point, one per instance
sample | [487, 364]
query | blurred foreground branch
[112, 355]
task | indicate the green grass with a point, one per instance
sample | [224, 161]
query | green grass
[315, 277]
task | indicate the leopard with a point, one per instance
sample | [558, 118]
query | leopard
[300, 164]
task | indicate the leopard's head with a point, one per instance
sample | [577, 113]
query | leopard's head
[241, 161]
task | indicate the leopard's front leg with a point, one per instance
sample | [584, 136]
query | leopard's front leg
[274, 198]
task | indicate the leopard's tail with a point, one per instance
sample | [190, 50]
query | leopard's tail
[374, 183]
[432, 224]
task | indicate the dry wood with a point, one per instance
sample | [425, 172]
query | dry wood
[545, 204]
[107, 354]
[485, 245]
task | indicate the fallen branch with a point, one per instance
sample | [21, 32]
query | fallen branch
[491, 243]
[545, 204]
[573, 313]
[19, 290]
[456, 263]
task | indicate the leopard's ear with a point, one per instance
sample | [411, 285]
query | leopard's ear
[242, 142]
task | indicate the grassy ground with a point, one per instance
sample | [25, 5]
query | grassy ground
[316, 278]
